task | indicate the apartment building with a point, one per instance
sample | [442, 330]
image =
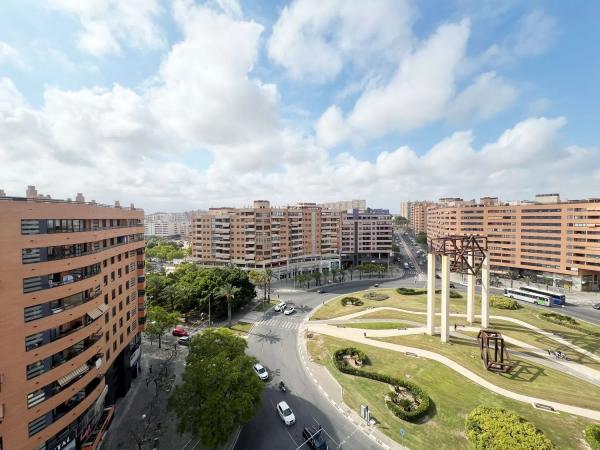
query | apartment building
[345, 205]
[262, 236]
[405, 210]
[418, 216]
[547, 237]
[366, 237]
[72, 309]
[168, 224]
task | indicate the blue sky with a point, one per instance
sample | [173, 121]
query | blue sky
[180, 104]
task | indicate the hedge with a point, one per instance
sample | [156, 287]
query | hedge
[497, 301]
[592, 436]
[420, 394]
[377, 296]
[559, 318]
[352, 300]
[496, 429]
[410, 291]
[455, 294]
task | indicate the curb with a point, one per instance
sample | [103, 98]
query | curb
[350, 415]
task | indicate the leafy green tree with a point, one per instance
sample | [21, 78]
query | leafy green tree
[158, 322]
[258, 279]
[421, 237]
[325, 275]
[400, 221]
[167, 251]
[342, 275]
[219, 390]
[334, 274]
[229, 291]
[513, 275]
[301, 279]
[317, 276]
[268, 274]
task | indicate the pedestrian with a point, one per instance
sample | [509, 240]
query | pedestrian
[454, 327]
[548, 352]
[365, 334]
[150, 369]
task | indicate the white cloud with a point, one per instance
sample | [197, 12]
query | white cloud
[486, 96]
[416, 95]
[108, 25]
[313, 39]
[536, 33]
[9, 55]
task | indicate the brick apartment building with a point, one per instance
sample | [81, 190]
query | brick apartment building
[417, 216]
[548, 237]
[366, 236]
[72, 302]
[286, 239]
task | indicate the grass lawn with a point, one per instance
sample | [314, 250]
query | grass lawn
[377, 325]
[265, 306]
[453, 397]
[526, 377]
[584, 338]
[242, 328]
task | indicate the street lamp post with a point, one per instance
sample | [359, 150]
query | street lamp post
[209, 300]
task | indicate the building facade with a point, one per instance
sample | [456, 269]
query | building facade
[366, 237]
[168, 224]
[405, 210]
[345, 205]
[550, 238]
[282, 238]
[72, 309]
[417, 219]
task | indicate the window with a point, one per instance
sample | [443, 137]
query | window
[108, 354]
[114, 328]
[121, 322]
[115, 346]
[119, 272]
[114, 294]
[120, 289]
[106, 299]
[106, 336]
[114, 311]
[105, 280]
[104, 263]
[105, 317]
[37, 425]
[112, 276]
[120, 306]
[121, 338]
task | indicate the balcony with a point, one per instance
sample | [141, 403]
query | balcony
[33, 284]
[53, 307]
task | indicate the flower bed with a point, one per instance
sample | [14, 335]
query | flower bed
[410, 291]
[592, 436]
[377, 296]
[418, 402]
[499, 302]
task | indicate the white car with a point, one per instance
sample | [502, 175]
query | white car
[261, 372]
[289, 310]
[286, 414]
[279, 307]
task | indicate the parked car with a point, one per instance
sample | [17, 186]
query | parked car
[261, 372]
[289, 310]
[596, 306]
[179, 331]
[184, 340]
[376, 285]
[452, 285]
[314, 438]
[279, 307]
[286, 414]
[321, 291]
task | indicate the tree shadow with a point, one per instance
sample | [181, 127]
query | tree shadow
[270, 337]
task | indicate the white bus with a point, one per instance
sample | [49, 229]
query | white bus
[557, 299]
[531, 297]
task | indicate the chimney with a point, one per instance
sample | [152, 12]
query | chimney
[31, 192]
[79, 198]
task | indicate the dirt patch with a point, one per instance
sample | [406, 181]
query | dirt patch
[353, 362]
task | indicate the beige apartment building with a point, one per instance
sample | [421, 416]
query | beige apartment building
[72, 309]
[261, 236]
[291, 238]
[345, 205]
[418, 216]
[366, 237]
[549, 237]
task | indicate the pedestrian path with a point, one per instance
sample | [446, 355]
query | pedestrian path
[279, 323]
[357, 335]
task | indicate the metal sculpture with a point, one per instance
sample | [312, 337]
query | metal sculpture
[466, 252]
[499, 360]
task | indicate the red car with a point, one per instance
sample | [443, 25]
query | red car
[179, 331]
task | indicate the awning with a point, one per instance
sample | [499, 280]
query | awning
[72, 375]
[97, 312]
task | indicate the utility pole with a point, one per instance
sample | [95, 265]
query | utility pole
[209, 300]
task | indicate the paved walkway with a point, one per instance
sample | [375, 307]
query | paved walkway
[356, 335]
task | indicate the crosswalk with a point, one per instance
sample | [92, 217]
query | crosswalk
[278, 323]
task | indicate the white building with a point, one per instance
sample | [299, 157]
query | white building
[168, 224]
[345, 205]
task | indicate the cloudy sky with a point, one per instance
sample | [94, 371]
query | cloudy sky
[179, 104]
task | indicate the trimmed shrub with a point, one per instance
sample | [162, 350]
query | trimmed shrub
[559, 318]
[354, 301]
[410, 291]
[592, 436]
[499, 302]
[423, 400]
[455, 294]
[377, 296]
[496, 428]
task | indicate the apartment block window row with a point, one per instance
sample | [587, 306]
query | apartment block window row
[32, 284]
[47, 226]
[42, 310]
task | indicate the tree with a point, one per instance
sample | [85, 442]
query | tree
[258, 279]
[317, 276]
[185, 299]
[334, 273]
[158, 322]
[342, 275]
[228, 292]
[325, 275]
[301, 278]
[268, 275]
[219, 390]
[421, 237]
[513, 275]
[400, 221]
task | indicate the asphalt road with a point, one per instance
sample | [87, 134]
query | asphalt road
[274, 343]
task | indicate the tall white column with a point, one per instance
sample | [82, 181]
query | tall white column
[485, 290]
[470, 292]
[445, 333]
[430, 293]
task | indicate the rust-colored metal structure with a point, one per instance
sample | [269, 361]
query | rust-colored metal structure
[499, 360]
[460, 249]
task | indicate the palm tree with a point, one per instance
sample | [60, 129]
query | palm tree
[342, 275]
[317, 276]
[325, 274]
[229, 291]
[301, 278]
[351, 269]
[268, 278]
[513, 275]
[334, 273]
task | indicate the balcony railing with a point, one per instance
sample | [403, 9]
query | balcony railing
[33, 284]
[37, 312]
